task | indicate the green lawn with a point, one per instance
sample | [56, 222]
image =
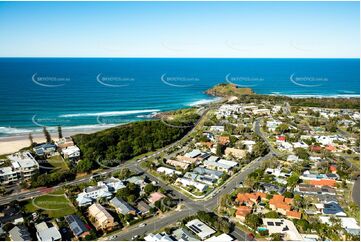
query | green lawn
[58, 163]
[55, 204]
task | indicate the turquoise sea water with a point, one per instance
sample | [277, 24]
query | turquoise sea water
[83, 93]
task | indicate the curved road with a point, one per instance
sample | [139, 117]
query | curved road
[356, 191]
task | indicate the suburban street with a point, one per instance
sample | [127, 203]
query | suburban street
[191, 207]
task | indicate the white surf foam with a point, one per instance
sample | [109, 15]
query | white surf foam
[9, 130]
[204, 101]
[114, 113]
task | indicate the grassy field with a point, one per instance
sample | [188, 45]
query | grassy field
[58, 163]
[55, 204]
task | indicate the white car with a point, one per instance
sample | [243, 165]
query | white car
[142, 225]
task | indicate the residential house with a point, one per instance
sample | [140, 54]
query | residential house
[193, 154]
[249, 199]
[220, 165]
[284, 146]
[218, 128]
[181, 234]
[158, 237]
[277, 172]
[347, 223]
[330, 208]
[20, 233]
[282, 205]
[261, 111]
[47, 232]
[137, 180]
[122, 206]
[100, 217]
[11, 214]
[45, 149]
[208, 172]
[293, 158]
[269, 188]
[202, 230]
[218, 238]
[155, 197]
[223, 140]
[272, 125]
[284, 227]
[64, 142]
[77, 226]
[187, 159]
[190, 182]
[104, 189]
[242, 212]
[176, 163]
[23, 167]
[71, 152]
[143, 207]
[168, 171]
[237, 153]
[249, 144]
[308, 189]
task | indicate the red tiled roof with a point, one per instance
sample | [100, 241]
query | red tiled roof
[281, 138]
[223, 140]
[243, 211]
[330, 148]
[293, 214]
[333, 168]
[315, 148]
[276, 199]
[324, 182]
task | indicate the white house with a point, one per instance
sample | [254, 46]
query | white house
[71, 152]
[168, 171]
[284, 227]
[104, 189]
[23, 166]
[202, 230]
[189, 182]
[46, 233]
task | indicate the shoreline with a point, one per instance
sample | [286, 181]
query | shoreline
[14, 143]
[11, 144]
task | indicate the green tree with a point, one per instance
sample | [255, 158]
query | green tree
[60, 132]
[84, 165]
[47, 135]
[282, 128]
[124, 173]
[253, 220]
[31, 140]
[293, 180]
[220, 150]
[303, 225]
[276, 237]
[149, 188]
[272, 214]
[302, 153]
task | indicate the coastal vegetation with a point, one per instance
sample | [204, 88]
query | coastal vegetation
[248, 96]
[115, 145]
[226, 90]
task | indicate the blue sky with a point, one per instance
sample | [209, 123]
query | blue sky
[180, 29]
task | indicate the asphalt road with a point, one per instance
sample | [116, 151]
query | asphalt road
[257, 130]
[356, 191]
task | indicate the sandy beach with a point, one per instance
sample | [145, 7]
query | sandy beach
[12, 144]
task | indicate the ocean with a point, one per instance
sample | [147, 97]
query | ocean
[85, 93]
